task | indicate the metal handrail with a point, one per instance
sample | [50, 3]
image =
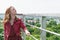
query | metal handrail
[45, 30]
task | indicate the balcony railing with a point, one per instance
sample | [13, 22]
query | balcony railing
[43, 30]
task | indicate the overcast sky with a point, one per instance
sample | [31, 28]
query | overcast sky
[31, 6]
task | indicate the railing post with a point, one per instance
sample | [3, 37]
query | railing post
[25, 25]
[23, 33]
[43, 25]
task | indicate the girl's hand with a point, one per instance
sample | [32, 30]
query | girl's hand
[27, 32]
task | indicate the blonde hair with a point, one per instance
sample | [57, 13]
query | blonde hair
[8, 15]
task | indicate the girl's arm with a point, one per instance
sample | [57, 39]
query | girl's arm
[24, 28]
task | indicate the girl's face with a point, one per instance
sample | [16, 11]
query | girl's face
[13, 11]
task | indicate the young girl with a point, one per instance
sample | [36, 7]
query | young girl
[12, 25]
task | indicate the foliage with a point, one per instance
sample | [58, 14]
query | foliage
[51, 25]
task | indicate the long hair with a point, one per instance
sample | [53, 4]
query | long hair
[8, 16]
